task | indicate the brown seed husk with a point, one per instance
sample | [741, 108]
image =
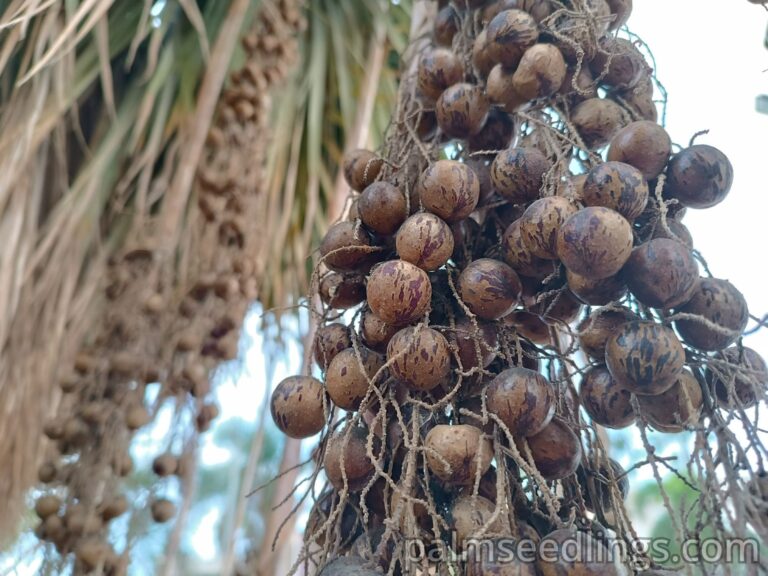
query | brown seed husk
[342, 291]
[462, 110]
[361, 168]
[556, 450]
[345, 247]
[745, 386]
[297, 406]
[383, 208]
[425, 240]
[458, 454]
[517, 174]
[438, 69]
[510, 34]
[597, 120]
[662, 273]
[541, 72]
[449, 189]
[522, 399]
[619, 63]
[606, 402]
[329, 341]
[644, 145]
[420, 357]
[595, 242]
[699, 177]
[676, 409]
[520, 258]
[719, 302]
[541, 222]
[618, 186]
[596, 292]
[347, 382]
[357, 468]
[644, 357]
[489, 288]
[399, 292]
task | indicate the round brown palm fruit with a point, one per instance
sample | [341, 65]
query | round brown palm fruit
[596, 483]
[597, 121]
[113, 508]
[446, 25]
[468, 240]
[398, 292]
[481, 57]
[420, 357]
[572, 187]
[350, 444]
[517, 174]
[584, 88]
[297, 406]
[577, 553]
[501, 90]
[541, 72]
[595, 242]
[520, 258]
[345, 247]
[165, 465]
[640, 99]
[674, 230]
[425, 240]
[329, 341]
[462, 110]
[596, 292]
[489, 288]
[449, 189]
[557, 308]
[47, 505]
[342, 291]
[541, 222]
[495, 135]
[699, 177]
[348, 522]
[465, 340]
[361, 168]
[457, 454]
[529, 325]
[621, 10]
[644, 145]
[493, 558]
[383, 208]
[438, 69]
[644, 357]
[618, 63]
[348, 379]
[743, 384]
[481, 166]
[676, 409]
[510, 34]
[719, 302]
[662, 273]
[522, 399]
[375, 333]
[556, 450]
[471, 513]
[47, 472]
[162, 510]
[606, 402]
[618, 186]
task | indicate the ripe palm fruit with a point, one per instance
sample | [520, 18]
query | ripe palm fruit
[162, 510]
[606, 402]
[597, 121]
[345, 247]
[618, 186]
[420, 357]
[644, 357]
[398, 292]
[438, 69]
[618, 63]
[596, 292]
[541, 72]
[458, 454]
[489, 288]
[556, 450]
[347, 381]
[165, 465]
[745, 383]
[541, 222]
[517, 174]
[383, 208]
[462, 110]
[510, 34]
[342, 291]
[699, 177]
[520, 258]
[677, 408]
[449, 189]
[644, 145]
[375, 333]
[297, 406]
[595, 329]
[47, 505]
[719, 302]
[361, 168]
[522, 399]
[329, 341]
[349, 444]
[662, 273]
[425, 240]
[595, 242]
[475, 347]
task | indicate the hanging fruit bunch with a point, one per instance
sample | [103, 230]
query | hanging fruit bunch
[514, 276]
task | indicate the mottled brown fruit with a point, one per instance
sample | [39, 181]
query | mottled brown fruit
[674, 230]
[420, 357]
[458, 454]
[383, 207]
[329, 341]
[662, 273]
[529, 325]
[595, 242]
[596, 292]
[719, 302]
[606, 402]
[165, 465]
[578, 87]
[517, 174]
[349, 444]
[501, 90]
[522, 399]
[541, 222]
[47, 505]
[644, 145]
[676, 409]
[347, 381]
[489, 288]
[342, 291]
[449, 189]
[345, 247]
[425, 240]
[618, 186]
[375, 333]
[495, 135]
[297, 406]
[576, 553]
[597, 482]
[744, 383]
[471, 513]
[597, 120]
[619, 62]
[113, 508]
[361, 168]
[517, 254]
[47, 472]
[699, 177]
[438, 69]
[162, 510]
[556, 450]
[446, 25]
[640, 99]
[462, 110]
[467, 339]
[399, 292]
[541, 72]
[481, 56]
[645, 357]
[557, 308]
[510, 34]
